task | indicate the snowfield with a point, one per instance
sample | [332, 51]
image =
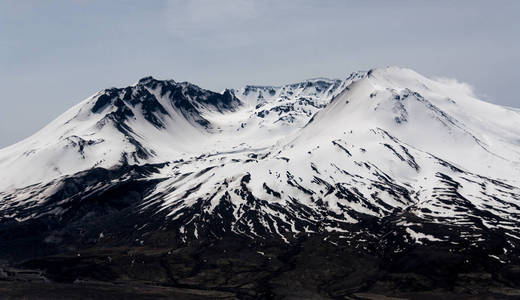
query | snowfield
[316, 156]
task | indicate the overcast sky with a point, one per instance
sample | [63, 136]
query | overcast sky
[54, 54]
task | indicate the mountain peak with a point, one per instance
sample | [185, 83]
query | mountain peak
[393, 145]
[146, 79]
[396, 75]
[396, 99]
[392, 164]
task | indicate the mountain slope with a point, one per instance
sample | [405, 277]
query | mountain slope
[132, 125]
[382, 161]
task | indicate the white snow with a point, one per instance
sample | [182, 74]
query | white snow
[418, 236]
[404, 122]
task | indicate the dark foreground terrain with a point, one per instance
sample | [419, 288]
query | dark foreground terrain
[232, 268]
[106, 244]
[107, 248]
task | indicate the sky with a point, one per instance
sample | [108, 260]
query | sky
[53, 54]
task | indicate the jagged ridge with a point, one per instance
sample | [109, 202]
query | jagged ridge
[335, 157]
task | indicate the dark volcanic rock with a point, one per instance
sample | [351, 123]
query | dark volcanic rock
[106, 235]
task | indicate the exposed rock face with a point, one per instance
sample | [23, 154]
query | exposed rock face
[385, 182]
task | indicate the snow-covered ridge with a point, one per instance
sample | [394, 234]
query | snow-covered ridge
[316, 156]
[155, 120]
[116, 125]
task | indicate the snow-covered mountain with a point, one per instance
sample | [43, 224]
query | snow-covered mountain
[387, 148]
